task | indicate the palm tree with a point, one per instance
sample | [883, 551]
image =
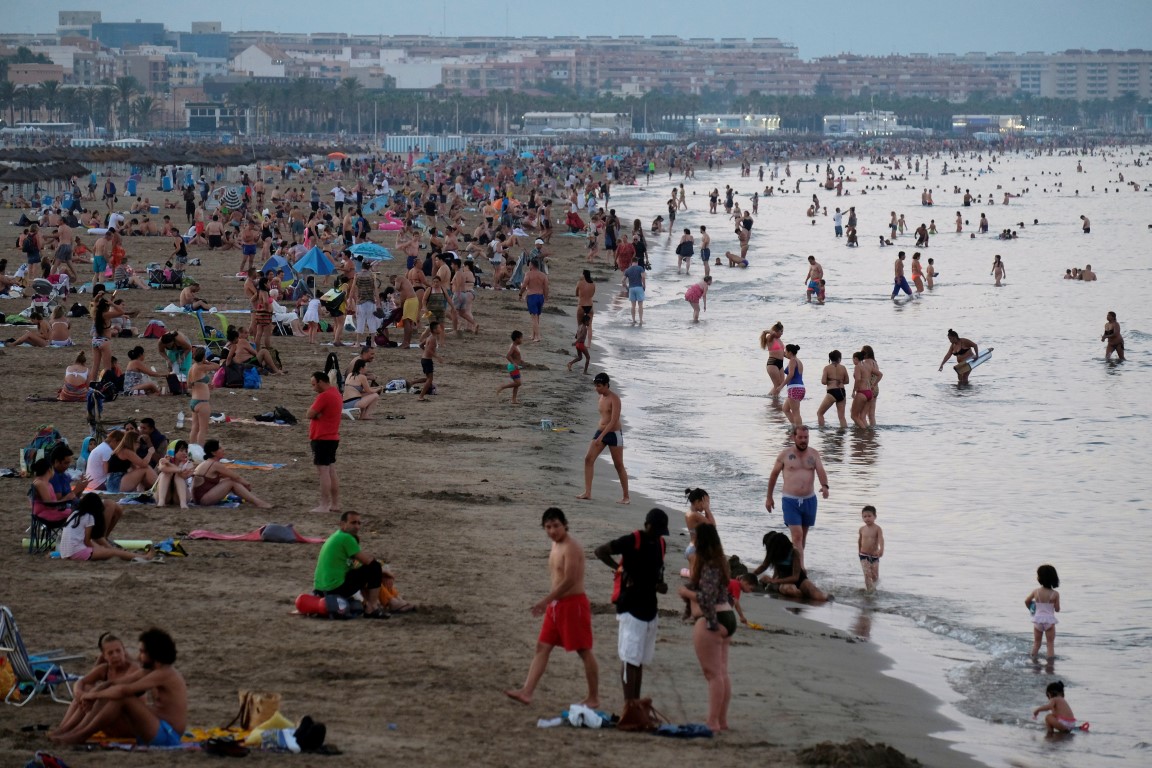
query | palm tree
[103, 100]
[145, 109]
[8, 99]
[126, 89]
[28, 99]
[50, 96]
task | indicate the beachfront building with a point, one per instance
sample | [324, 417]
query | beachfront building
[1073, 74]
[738, 124]
[1000, 124]
[577, 122]
[210, 117]
[874, 123]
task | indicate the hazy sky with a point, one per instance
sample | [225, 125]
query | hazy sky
[817, 27]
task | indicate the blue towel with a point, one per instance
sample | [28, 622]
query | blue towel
[686, 731]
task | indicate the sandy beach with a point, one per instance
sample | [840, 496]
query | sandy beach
[451, 492]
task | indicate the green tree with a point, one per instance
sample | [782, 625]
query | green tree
[8, 99]
[50, 97]
[144, 110]
[126, 89]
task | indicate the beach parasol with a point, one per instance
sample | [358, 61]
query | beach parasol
[232, 199]
[336, 155]
[527, 156]
[315, 262]
[371, 251]
[277, 264]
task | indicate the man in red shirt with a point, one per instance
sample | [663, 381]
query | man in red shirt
[324, 433]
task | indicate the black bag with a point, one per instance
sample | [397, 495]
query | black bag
[234, 376]
[284, 415]
[175, 386]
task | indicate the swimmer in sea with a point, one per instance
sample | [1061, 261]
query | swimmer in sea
[861, 390]
[1113, 338]
[868, 356]
[771, 341]
[930, 273]
[794, 382]
[998, 269]
[917, 273]
[965, 351]
[835, 379]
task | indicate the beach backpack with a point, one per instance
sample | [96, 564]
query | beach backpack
[41, 447]
[618, 577]
[332, 368]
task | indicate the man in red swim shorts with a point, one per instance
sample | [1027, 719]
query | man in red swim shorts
[567, 613]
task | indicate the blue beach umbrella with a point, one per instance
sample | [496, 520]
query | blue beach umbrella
[315, 262]
[527, 156]
[371, 251]
[277, 264]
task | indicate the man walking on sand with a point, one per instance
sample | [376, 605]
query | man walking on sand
[566, 610]
[608, 434]
[641, 570]
[324, 433]
[535, 292]
[800, 465]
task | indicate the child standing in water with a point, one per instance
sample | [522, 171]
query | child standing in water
[1059, 718]
[870, 545]
[1044, 604]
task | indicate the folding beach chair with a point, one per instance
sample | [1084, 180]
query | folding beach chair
[215, 343]
[44, 532]
[34, 673]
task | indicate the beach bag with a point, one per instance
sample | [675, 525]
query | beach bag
[41, 447]
[640, 716]
[175, 386]
[255, 708]
[683, 249]
[284, 415]
[332, 368]
[218, 378]
[78, 310]
[251, 378]
[154, 330]
[8, 679]
[234, 376]
[275, 353]
[278, 534]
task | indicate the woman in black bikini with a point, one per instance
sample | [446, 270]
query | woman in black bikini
[835, 378]
[771, 341]
[779, 554]
[965, 351]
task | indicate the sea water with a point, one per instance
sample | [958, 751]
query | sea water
[1042, 459]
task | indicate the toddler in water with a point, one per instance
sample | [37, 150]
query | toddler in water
[1044, 604]
[1059, 718]
[870, 545]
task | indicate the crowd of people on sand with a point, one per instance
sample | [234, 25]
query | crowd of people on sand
[447, 261]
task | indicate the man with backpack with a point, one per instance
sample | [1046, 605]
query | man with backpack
[640, 577]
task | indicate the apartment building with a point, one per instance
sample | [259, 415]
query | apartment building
[1074, 74]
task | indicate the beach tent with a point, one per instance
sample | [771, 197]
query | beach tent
[315, 262]
[371, 251]
[277, 264]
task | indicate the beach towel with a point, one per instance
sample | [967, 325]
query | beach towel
[257, 535]
[687, 731]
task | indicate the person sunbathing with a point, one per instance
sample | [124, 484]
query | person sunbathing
[212, 481]
[139, 377]
[157, 720]
[36, 337]
[112, 667]
[174, 470]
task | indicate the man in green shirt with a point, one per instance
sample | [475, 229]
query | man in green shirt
[343, 569]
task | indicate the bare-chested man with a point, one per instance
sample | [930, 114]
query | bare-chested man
[812, 281]
[608, 434]
[119, 710]
[534, 291]
[567, 613]
[800, 465]
[705, 244]
[463, 295]
[215, 232]
[899, 282]
[249, 245]
[410, 306]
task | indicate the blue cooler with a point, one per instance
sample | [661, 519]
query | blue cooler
[155, 209]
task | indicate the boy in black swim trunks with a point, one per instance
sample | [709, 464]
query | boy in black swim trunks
[870, 544]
